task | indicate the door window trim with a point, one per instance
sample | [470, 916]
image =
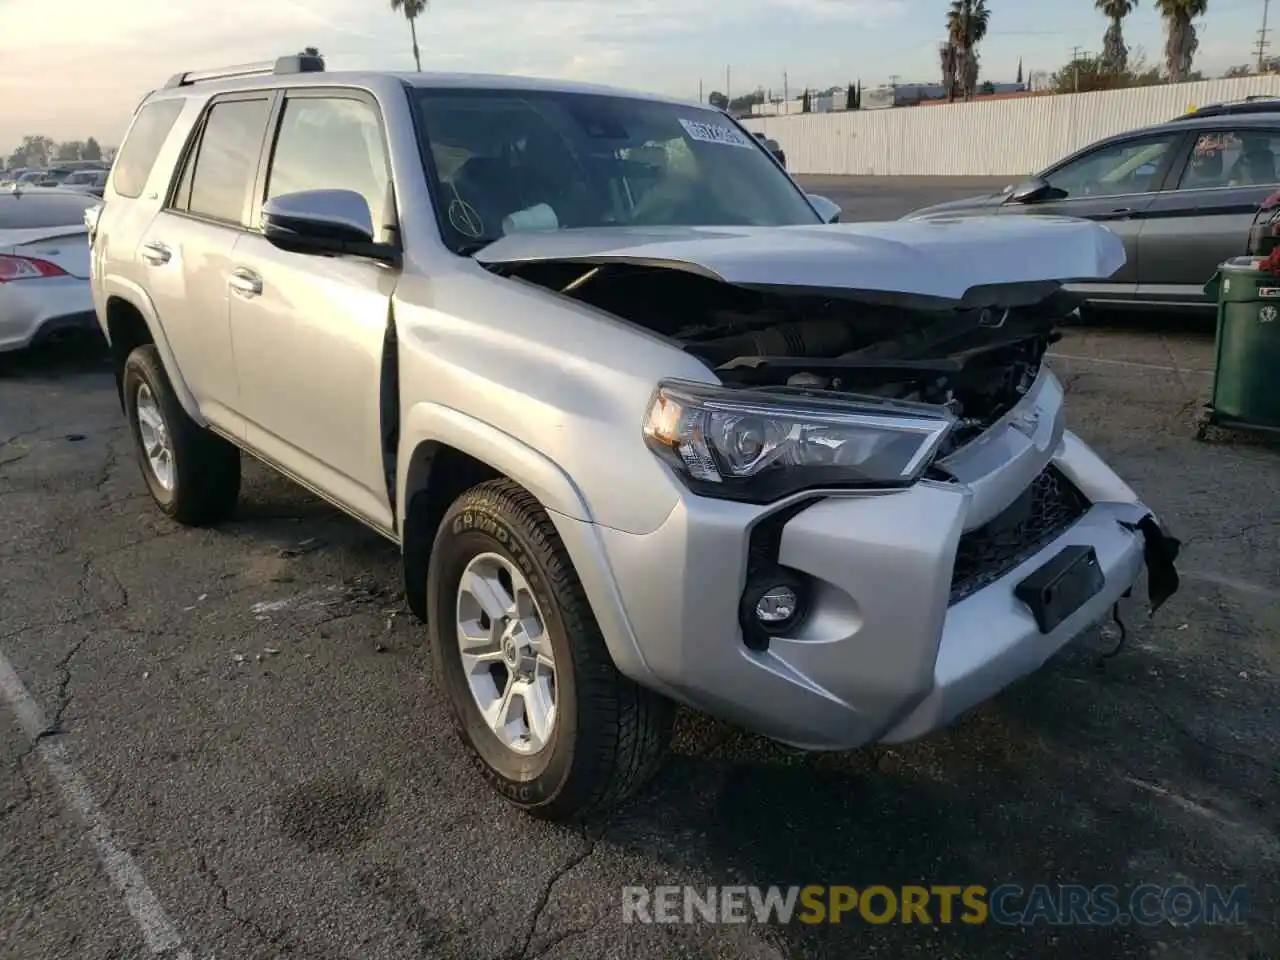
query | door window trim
[1184, 160]
[1159, 180]
[191, 151]
[275, 124]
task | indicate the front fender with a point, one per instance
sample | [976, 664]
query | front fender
[137, 297]
[435, 423]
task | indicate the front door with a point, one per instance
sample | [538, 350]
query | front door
[309, 331]
[1114, 184]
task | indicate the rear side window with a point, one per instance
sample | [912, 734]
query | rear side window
[141, 147]
[220, 172]
[37, 211]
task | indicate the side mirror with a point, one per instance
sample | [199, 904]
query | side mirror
[828, 210]
[323, 221]
[1030, 190]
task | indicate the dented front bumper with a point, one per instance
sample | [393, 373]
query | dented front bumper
[901, 636]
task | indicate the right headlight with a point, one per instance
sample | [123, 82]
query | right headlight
[758, 446]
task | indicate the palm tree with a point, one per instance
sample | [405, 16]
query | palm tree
[967, 23]
[1181, 41]
[412, 9]
[1115, 55]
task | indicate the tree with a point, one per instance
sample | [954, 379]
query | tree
[34, 151]
[851, 98]
[69, 150]
[1234, 73]
[412, 9]
[967, 23]
[948, 61]
[1181, 42]
[806, 104]
[987, 89]
[1087, 74]
[91, 151]
[859, 94]
[1019, 80]
[1114, 53]
[719, 100]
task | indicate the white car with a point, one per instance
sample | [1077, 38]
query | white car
[44, 265]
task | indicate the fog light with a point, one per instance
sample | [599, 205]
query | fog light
[777, 605]
[773, 604]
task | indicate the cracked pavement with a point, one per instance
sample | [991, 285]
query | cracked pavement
[251, 706]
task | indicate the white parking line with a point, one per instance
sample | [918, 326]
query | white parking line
[1074, 358]
[157, 929]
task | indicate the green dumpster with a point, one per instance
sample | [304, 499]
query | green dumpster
[1246, 379]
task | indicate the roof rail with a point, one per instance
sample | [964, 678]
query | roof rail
[298, 63]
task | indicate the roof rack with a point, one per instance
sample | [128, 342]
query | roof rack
[1255, 103]
[298, 63]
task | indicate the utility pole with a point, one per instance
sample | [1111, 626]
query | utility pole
[1075, 68]
[893, 81]
[1263, 43]
[786, 90]
[728, 87]
[701, 99]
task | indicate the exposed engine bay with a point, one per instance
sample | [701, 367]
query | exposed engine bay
[977, 362]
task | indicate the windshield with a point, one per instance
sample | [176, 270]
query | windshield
[512, 160]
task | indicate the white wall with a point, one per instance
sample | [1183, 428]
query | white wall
[995, 138]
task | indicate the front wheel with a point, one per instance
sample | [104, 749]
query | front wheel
[192, 473]
[553, 725]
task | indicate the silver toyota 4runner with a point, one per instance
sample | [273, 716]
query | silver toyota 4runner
[649, 425]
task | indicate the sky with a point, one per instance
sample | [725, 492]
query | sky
[77, 68]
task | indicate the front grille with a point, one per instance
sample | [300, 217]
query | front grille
[1048, 507]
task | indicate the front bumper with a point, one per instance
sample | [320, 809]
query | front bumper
[889, 652]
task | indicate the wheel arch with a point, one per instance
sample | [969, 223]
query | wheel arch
[131, 321]
[444, 452]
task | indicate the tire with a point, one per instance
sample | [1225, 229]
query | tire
[609, 735]
[204, 476]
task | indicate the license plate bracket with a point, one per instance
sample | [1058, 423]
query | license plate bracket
[1062, 586]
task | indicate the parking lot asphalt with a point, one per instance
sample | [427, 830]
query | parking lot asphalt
[243, 754]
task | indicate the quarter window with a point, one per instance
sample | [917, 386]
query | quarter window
[1111, 171]
[220, 174]
[1245, 158]
[330, 144]
[137, 156]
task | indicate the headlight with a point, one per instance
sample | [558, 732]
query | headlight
[759, 446]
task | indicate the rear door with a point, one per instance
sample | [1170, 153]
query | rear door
[1220, 179]
[187, 249]
[1114, 184]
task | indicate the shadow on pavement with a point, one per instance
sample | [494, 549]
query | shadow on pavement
[78, 354]
[1078, 776]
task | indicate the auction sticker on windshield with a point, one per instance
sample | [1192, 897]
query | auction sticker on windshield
[714, 133]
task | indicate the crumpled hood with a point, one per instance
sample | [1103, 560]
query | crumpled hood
[956, 259]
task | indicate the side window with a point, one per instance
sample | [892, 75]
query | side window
[1112, 171]
[330, 144]
[219, 174]
[1246, 158]
[142, 145]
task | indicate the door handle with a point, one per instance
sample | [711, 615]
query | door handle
[1125, 211]
[245, 282]
[156, 254]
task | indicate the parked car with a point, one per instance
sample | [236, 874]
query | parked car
[773, 147]
[44, 266]
[645, 429]
[1181, 195]
[86, 181]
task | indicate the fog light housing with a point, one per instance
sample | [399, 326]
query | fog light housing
[773, 604]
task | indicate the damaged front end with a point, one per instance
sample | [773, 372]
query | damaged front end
[836, 361]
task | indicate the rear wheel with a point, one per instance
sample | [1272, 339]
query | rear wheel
[553, 725]
[192, 473]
